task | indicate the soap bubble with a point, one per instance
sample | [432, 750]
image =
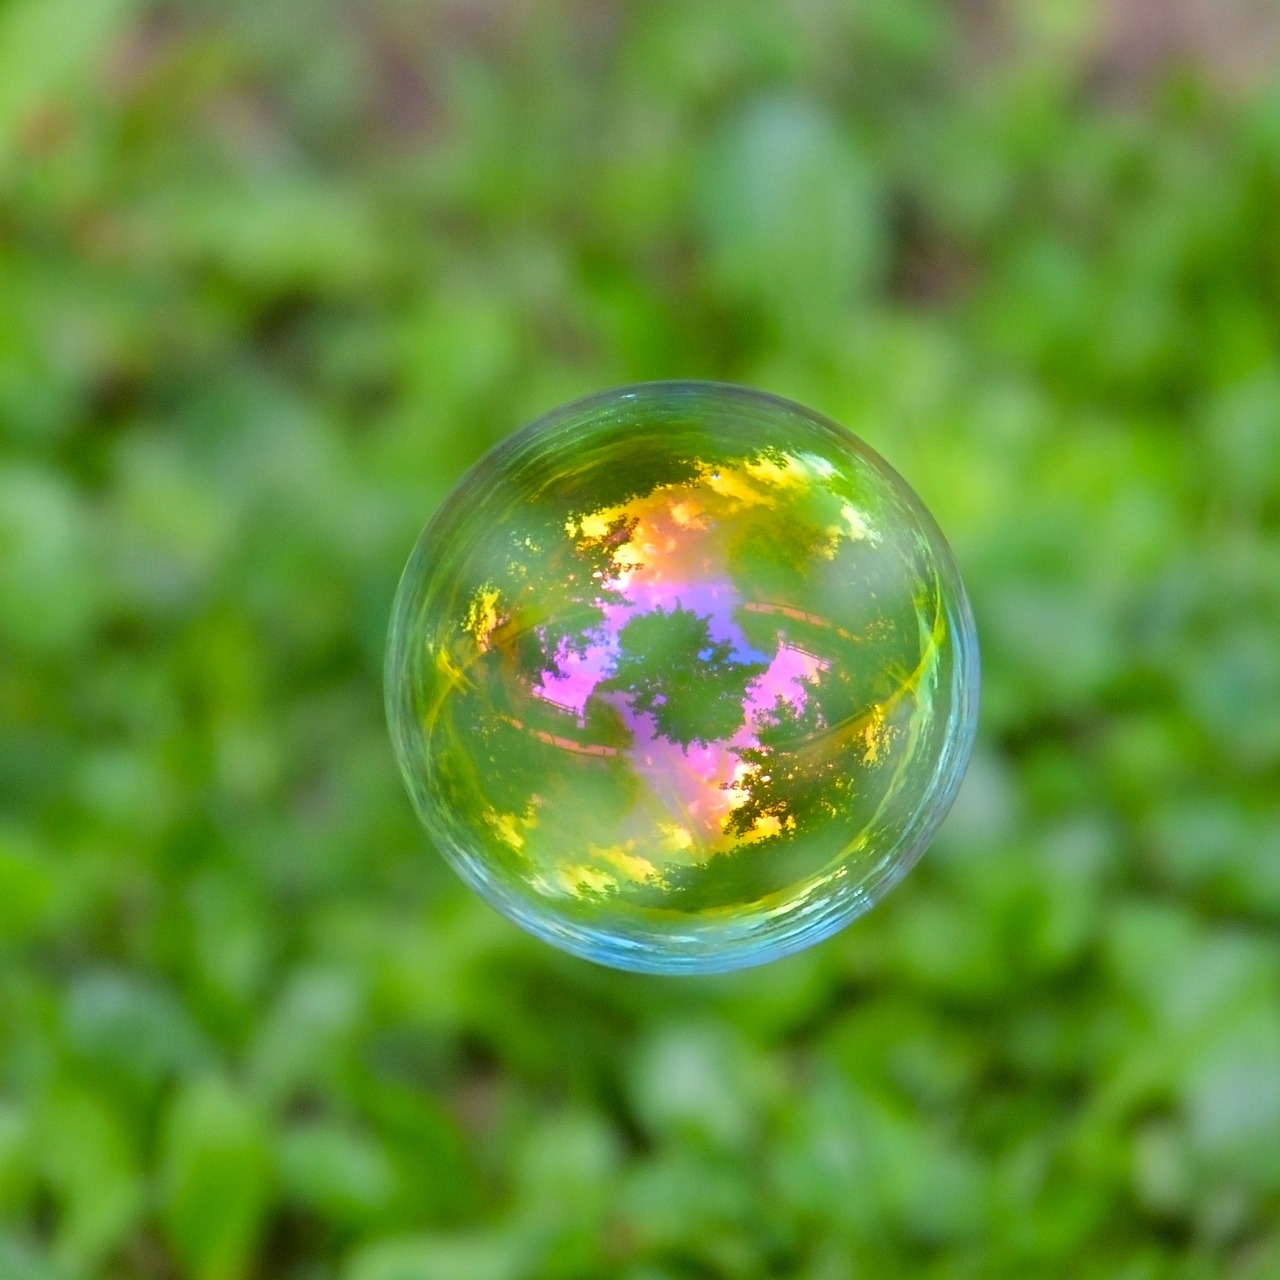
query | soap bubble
[682, 677]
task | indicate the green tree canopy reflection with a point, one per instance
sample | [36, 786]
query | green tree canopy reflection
[671, 668]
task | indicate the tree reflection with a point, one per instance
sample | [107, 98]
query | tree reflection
[671, 668]
[566, 583]
[787, 789]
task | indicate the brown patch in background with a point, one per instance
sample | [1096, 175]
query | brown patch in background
[1236, 41]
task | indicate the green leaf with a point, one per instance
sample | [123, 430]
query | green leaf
[567, 1163]
[17, 1173]
[22, 1260]
[47, 583]
[697, 1082]
[46, 46]
[85, 1156]
[338, 1172]
[27, 888]
[215, 1181]
[491, 1256]
[790, 213]
[131, 1026]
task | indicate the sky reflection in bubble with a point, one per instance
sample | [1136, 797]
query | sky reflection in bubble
[682, 678]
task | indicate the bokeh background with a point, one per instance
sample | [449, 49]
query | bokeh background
[272, 274]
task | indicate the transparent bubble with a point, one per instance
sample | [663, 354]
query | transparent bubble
[682, 677]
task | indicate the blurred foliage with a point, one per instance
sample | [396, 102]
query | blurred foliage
[271, 275]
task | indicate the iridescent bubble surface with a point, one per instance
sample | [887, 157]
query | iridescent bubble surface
[682, 677]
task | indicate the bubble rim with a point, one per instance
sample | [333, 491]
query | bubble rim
[716, 946]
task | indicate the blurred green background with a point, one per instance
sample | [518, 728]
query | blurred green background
[272, 275]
